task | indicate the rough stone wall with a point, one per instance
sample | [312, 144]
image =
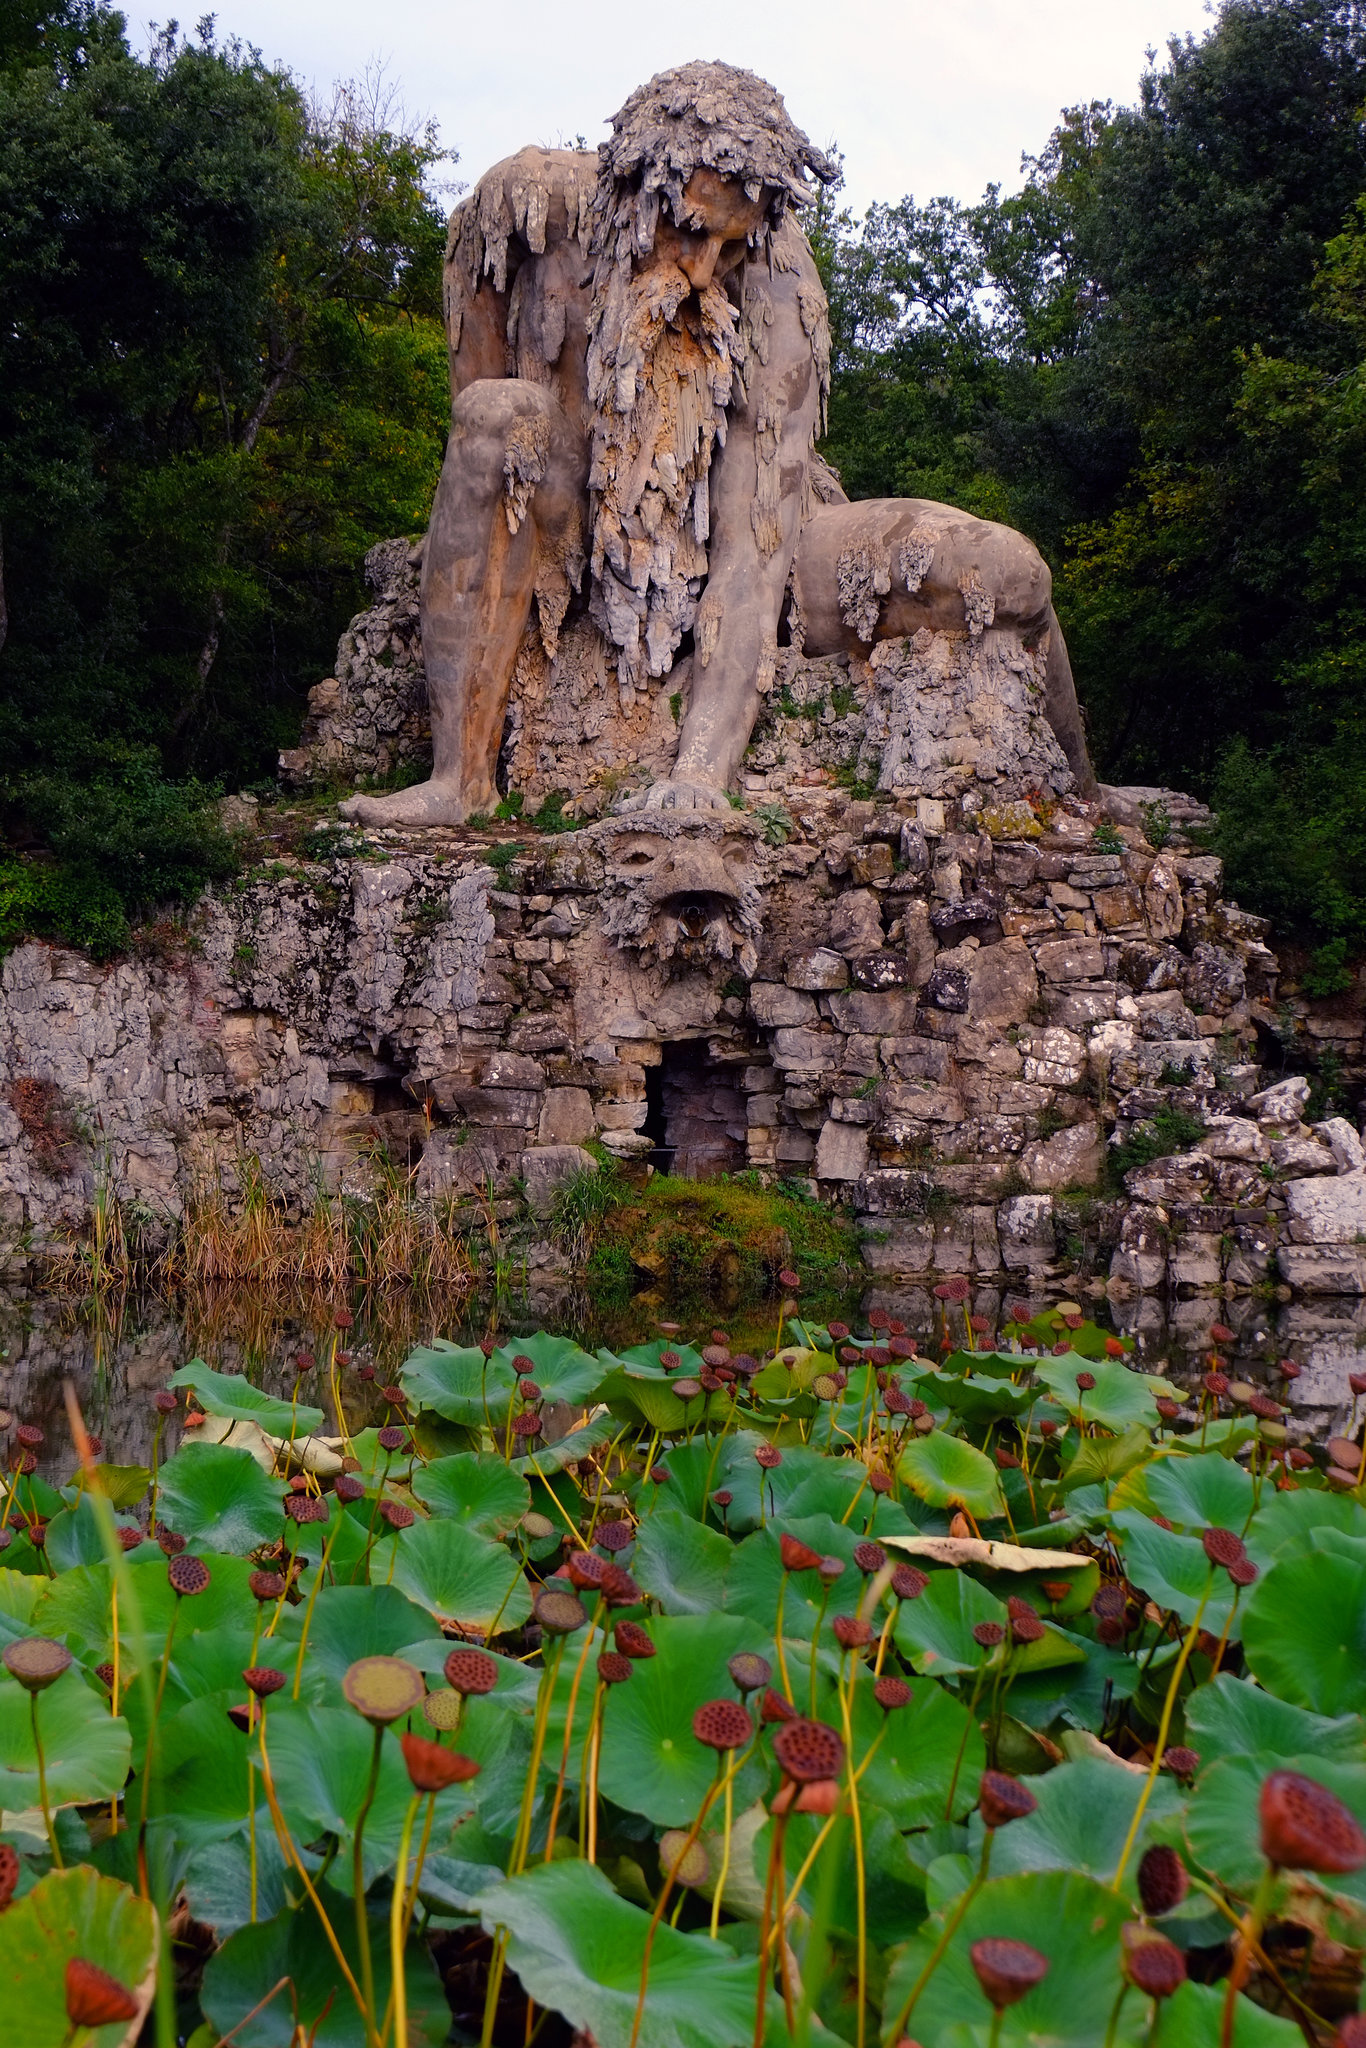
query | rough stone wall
[371, 717]
[940, 1024]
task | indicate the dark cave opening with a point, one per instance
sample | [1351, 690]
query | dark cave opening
[695, 1113]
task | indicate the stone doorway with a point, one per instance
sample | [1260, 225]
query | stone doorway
[695, 1117]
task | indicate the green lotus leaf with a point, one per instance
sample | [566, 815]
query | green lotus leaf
[927, 1749]
[123, 1486]
[631, 1394]
[479, 1491]
[460, 1576]
[680, 1563]
[1101, 1460]
[70, 1914]
[1119, 1398]
[1175, 1573]
[946, 1472]
[1223, 1829]
[652, 1763]
[288, 1950]
[1194, 2017]
[578, 1948]
[562, 1369]
[350, 1622]
[229, 1395]
[934, 1633]
[460, 1383]
[217, 1880]
[756, 1575]
[73, 1537]
[86, 1749]
[1288, 1521]
[982, 1400]
[1081, 1823]
[1067, 1917]
[219, 1499]
[1232, 1717]
[1304, 1632]
[1194, 1491]
[79, 1604]
[547, 1459]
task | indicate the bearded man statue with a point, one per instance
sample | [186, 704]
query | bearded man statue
[640, 359]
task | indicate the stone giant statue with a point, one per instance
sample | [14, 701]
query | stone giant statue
[639, 358]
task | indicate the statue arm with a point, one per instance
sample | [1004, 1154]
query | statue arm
[758, 491]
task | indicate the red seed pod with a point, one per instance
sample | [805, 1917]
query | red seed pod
[9, 1873]
[807, 1750]
[1109, 1602]
[788, 1279]
[470, 1671]
[659, 1474]
[585, 1569]
[1152, 1964]
[769, 1456]
[632, 1640]
[262, 1680]
[94, 1998]
[618, 1588]
[614, 1536]
[397, 1514]
[1020, 1311]
[988, 1634]
[522, 1364]
[164, 1402]
[1085, 1382]
[129, 1539]
[749, 1670]
[613, 1668]
[171, 1544]
[895, 1402]
[798, 1556]
[670, 1360]
[1162, 1880]
[29, 1435]
[365, 1370]
[343, 1319]
[774, 1708]
[188, 1576]
[909, 1582]
[879, 1320]
[1007, 1970]
[1216, 1383]
[830, 1569]
[1244, 1572]
[1007, 1460]
[869, 1557]
[105, 1674]
[891, 1693]
[879, 1481]
[723, 1497]
[309, 1507]
[347, 1487]
[1220, 1333]
[1223, 1547]
[1307, 1827]
[391, 1437]
[1113, 1348]
[304, 1361]
[1003, 1799]
[722, 1724]
[1027, 1628]
[528, 1390]
[1168, 1410]
[266, 1585]
[432, 1768]
[526, 1425]
[1357, 1382]
[1180, 1761]
[1264, 1408]
[850, 1632]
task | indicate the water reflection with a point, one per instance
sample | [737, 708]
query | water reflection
[118, 1353]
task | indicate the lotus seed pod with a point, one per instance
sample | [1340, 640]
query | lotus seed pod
[432, 1768]
[908, 1583]
[471, 1671]
[442, 1710]
[749, 1670]
[1152, 1964]
[559, 1614]
[614, 1536]
[94, 1998]
[722, 1724]
[1003, 1799]
[1307, 1827]
[613, 1668]
[798, 1556]
[891, 1693]
[1162, 1880]
[1007, 1970]
[685, 1862]
[262, 1680]
[632, 1640]
[807, 1750]
[383, 1689]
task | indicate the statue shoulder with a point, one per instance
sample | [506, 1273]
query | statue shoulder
[521, 207]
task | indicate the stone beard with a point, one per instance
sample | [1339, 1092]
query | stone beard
[663, 361]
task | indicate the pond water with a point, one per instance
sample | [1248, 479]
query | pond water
[118, 1351]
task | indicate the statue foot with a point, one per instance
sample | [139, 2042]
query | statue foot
[678, 796]
[426, 803]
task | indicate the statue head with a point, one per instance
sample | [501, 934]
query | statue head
[701, 167]
[681, 889]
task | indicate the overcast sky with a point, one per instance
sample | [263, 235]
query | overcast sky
[923, 96]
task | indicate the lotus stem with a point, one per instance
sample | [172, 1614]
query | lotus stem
[332, 1535]
[397, 1930]
[724, 1871]
[947, 1932]
[1168, 1707]
[1249, 1935]
[42, 1781]
[569, 1732]
[292, 1857]
[775, 1857]
[725, 1773]
[367, 1966]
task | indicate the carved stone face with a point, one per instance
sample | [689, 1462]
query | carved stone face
[684, 895]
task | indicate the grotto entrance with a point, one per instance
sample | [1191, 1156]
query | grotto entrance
[695, 1117]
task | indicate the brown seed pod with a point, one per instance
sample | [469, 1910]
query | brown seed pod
[188, 1576]
[1152, 1964]
[1244, 1572]
[869, 1557]
[171, 1544]
[807, 1750]
[618, 1588]
[94, 1998]
[164, 1402]
[769, 1456]
[29, 1435]
[722, 1724]
[773, 1707]
[585, 1569]
[830, 1569]
[10, 1868]
[397, 1514]
[307, 1507]
[614, 1536]
[1307, 1827]
[687, 1389]
[798, 1556]
[36, 1661]
[1109, 1602]
[559, 1614]
[1223, 1547]
[1007, 1970]
[1085, 1382]
[988, 1634]
[383, 1689]
[613, 1668]
[391, 1437]
[1027, 1628]
[658, 1475]
[470, 1671]
[105, 1674]
[1003, 1799]
[263, 1680]
[850, 1632]
[129, 1539]
[749, 1670]
[632, 1640]
[266, 1585]
[891, 1693]
[1162, 1880]
[526, 1425]
[1180, 1761]
[908, 1582]
[432, 1768]
[348, 1488]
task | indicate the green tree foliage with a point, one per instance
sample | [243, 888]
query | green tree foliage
[1150, 358]
[222, 377]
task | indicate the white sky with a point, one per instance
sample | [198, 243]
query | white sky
[923, 96]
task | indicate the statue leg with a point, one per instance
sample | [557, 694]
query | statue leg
[510, 447]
